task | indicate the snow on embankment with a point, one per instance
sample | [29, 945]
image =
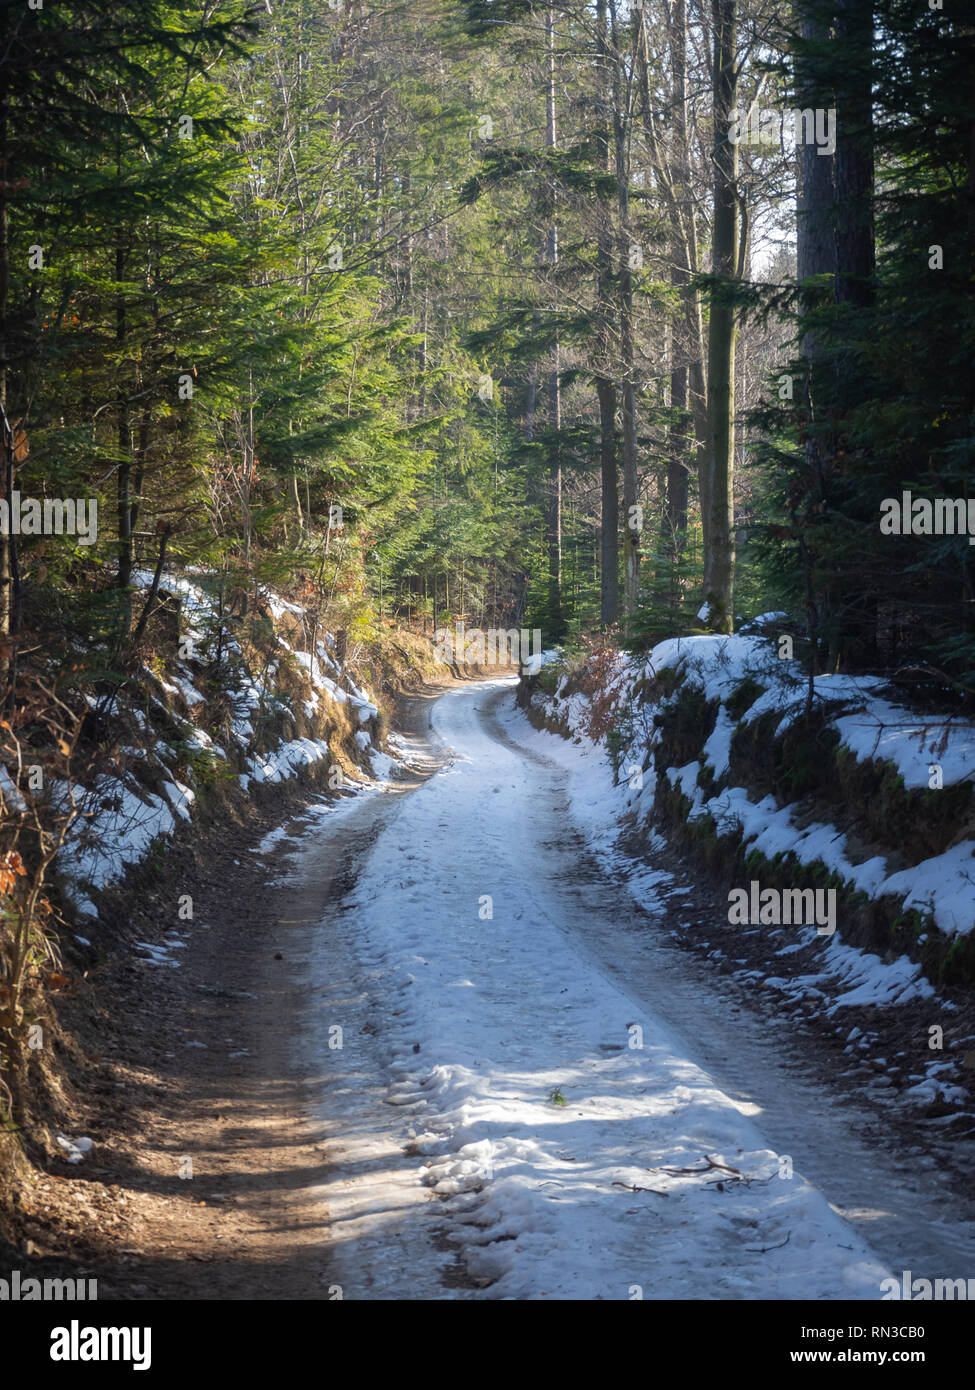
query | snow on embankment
[710, 737]
[221, 710]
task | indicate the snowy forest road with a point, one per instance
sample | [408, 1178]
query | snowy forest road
[528, 1092]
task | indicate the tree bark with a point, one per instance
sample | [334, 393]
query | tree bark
[815, 241]
[687, 345]
[672, 169]
[609, 586]
[853, 160]
[609, 596]
[815, 256]
[124, 446]
[554, 388]
[855, 260]
[632, 523]
[719, 562]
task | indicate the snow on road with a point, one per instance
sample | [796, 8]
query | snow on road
[500, 1094]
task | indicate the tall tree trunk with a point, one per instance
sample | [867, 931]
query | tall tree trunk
[815, 256]
[815, 241]
[675, 512]
[124, 446]
[683, 181]
[609, 593]
[632, 522]
[554, 389]
[672, 169]
[609, 584]
[719, 560]
[853, 160]
[854, 183]
[685, 338]
[633, 527]
[248, 454]
[531, 396]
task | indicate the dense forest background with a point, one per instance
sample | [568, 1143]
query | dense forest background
[433, 311]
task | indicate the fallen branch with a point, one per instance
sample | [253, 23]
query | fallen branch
[709, 1164]
[764, 1249]
[628, 1187]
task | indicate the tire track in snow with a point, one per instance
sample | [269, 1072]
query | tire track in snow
[507, 1068]
[458, 1032]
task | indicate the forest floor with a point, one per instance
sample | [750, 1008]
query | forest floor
[398, 1051]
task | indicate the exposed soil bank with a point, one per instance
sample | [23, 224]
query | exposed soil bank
[194, 1070]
